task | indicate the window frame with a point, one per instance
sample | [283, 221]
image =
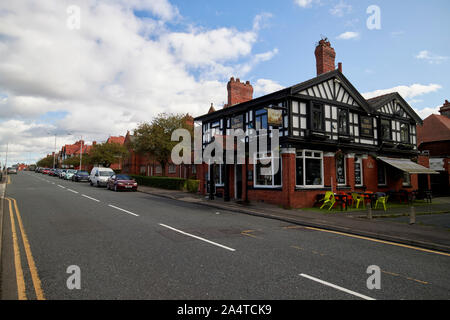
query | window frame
[303, 156]
[263, 113]
[174, 168]
[406, 182]
[259, 156]
[340, 111]
[360, 161]
[380, 164]
[402, 123]
[322, 116]
[382, 129]
[344, 162]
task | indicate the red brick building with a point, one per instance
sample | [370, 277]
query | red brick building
[146, 165]
[119, 140]
[330, 138]
[433, 139]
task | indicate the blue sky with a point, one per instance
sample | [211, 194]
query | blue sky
[377, 59]
[129, 60]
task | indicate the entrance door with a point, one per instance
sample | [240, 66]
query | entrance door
[238, 181]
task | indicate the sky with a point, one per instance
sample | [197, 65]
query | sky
[92, 69]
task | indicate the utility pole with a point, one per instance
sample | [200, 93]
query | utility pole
[81, 151]
[54, 154]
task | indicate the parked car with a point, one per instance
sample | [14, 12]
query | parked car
[62, 173]
[46, 171]
[11, 170]
[53, 172]
[121, 182]
[69, 174]
[99, 176]
[80, 176]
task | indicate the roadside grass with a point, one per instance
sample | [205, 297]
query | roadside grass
[385, 214]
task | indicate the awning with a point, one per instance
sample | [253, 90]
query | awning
[407, 166]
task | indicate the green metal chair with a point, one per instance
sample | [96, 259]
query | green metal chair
[329, 199]
[357, 198]
[383, 201]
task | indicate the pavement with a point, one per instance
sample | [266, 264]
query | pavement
[434, 237]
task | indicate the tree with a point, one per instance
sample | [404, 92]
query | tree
[106, 154]
[75, 161]
[46, 162]
[154, 138]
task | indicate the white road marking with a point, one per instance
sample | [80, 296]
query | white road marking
[134, 214]
[90, 197]
[72, 190]
[197, 237]
[337, 287]
[61, 186]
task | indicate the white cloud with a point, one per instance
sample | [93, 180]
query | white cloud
[407, 92]
[265, 86]
[425, 112]
[115, 71]
[305, 3]
[430, 57]
[348, 35]
[341, 9]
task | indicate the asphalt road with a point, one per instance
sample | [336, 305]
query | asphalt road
[131, 245]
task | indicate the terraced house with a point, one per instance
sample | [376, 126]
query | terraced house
[331, 137]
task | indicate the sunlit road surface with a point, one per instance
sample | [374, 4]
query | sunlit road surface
[67, 240]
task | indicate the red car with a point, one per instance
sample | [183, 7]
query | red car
[46, 171]
[121, 182]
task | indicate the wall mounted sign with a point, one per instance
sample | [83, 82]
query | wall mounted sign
[437, 164]
[366, 126]
[275, 117]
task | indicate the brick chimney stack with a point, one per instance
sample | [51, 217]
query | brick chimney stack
[445, 109]
[238, 92]
[325, 56]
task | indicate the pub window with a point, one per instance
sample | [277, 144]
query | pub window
[404, 133]
[158, 169]
[309, 168]
[343, 121]
[218, 174]
[268, 181]
[261, 119]
[172, 168]
[340, 170]
[317, 117]
[385, 129]
[381, 174]
[358, 172]
[194, 169]
[366, 127]
[406, 179]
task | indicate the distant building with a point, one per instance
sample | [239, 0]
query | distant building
[433, 139]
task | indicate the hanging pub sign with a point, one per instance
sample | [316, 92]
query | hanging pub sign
[274, 117]
[366, 126]
[237, 122]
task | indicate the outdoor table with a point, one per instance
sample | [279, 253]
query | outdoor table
[343, 200]
[369, 195]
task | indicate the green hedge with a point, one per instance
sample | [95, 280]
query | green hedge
[167, 183]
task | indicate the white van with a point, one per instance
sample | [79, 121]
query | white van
[99, 176]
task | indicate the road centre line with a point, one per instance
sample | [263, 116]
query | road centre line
[83, 195]
[61, 186]
[126, 211]
[197, 237]
[336, 287]
[72, 190]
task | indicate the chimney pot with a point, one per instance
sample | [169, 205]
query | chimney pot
[340, 67]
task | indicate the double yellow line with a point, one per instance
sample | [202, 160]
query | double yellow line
[21, 288]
